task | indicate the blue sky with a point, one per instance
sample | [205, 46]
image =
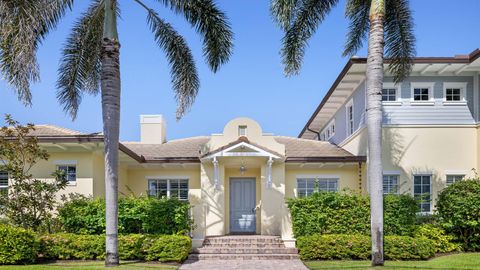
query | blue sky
[251, 84]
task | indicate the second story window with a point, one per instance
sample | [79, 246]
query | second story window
[421, 94]
[242, 131]
[389, 94]
[454, 92]
[70, 172]
[349, 111]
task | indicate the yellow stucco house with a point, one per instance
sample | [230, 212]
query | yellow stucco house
[236, 181]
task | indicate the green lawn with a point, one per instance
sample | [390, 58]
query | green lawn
[457, 261]
[90, 265]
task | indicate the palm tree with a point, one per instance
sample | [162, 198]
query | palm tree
[90, 64]
[389, 25]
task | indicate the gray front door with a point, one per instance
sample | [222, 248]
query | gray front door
[242, 205]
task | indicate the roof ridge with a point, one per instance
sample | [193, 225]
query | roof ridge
[175, 140]
[59, 128]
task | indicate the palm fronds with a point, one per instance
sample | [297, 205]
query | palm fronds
[282, 12]
[357, 11]
[80, 65]
[23, 25]
[399, 38]
[211, 23]
[304, 21]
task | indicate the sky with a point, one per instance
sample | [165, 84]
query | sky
[251, 84]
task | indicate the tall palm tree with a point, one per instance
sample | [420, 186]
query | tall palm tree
[90, 64]
[389, 25]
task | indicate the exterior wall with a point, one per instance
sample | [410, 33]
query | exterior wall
[424, 150]
[85, 171]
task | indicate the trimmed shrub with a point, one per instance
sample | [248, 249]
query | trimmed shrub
[334, 247]
[17, 245]
[168, 248]
[358, 247]
[67, 246]
[163, 248]
[349, 213]
[458, 209]
[136, 215]
[443, 242]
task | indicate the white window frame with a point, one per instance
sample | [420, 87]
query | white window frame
[429, 85]
[398, 181]
[398, 98]
[5, 187]
[316, 178]
[242, 128]
[70, 183]
[329, 131]
[431, 190]
[463, 93]
[168, 179]
[350, 127]
[454, 175]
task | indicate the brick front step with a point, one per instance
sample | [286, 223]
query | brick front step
[215, 250]
[196, 257]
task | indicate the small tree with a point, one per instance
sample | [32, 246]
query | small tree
[29, 202]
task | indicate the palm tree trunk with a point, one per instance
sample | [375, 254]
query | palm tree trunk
[374, 126]
[110, 84]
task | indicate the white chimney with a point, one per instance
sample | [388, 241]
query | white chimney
[153, 129]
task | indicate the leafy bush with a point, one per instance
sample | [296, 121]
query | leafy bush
[167, 248]
[17, 245]
[338, 246]
[458, 209]
[442, 241]
[400, 214]
[349, 213]
[66, 246]
[131, 247]
[136, 215]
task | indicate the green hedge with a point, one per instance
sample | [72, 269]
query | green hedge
[146, 215]
[443, 242]
[349, 213]
[164, 248]
[358, 247]
[17, 245]
[458, 208]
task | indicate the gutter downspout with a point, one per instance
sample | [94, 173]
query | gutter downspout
[318, 133]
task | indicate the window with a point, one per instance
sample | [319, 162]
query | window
[390, 184]
[242, 130]
[389, 94]
[3, 182]
[349, 118]
[454, 92]
[422, 92]
[306, 186]
[452, 178]
[70, 172]
[169, 188]
[422, 191]
[329, 131]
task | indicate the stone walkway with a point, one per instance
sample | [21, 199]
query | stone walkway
[293, 264]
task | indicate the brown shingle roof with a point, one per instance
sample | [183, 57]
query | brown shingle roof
[181, 148]
[51, 130]
[295, 147]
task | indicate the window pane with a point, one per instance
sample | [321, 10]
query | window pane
[3, 179]
[422, 191]
[305, 186]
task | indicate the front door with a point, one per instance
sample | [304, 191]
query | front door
[242, 205]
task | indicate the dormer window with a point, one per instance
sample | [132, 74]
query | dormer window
[422, 93]
[242, 131]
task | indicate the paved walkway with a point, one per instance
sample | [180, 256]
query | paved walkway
[294, 264]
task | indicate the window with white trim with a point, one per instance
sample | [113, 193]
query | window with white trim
[454, 92]
[70, 172]
[422, 189]
[389, 94]
[329, 131]
[3, 182]
[307, 186]
[242, 130]
[349, 111]
[390, 184]
[169, 188]
[422, 92]
[452, 178]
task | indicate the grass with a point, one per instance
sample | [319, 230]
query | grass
[90, 265]
[455, 261]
